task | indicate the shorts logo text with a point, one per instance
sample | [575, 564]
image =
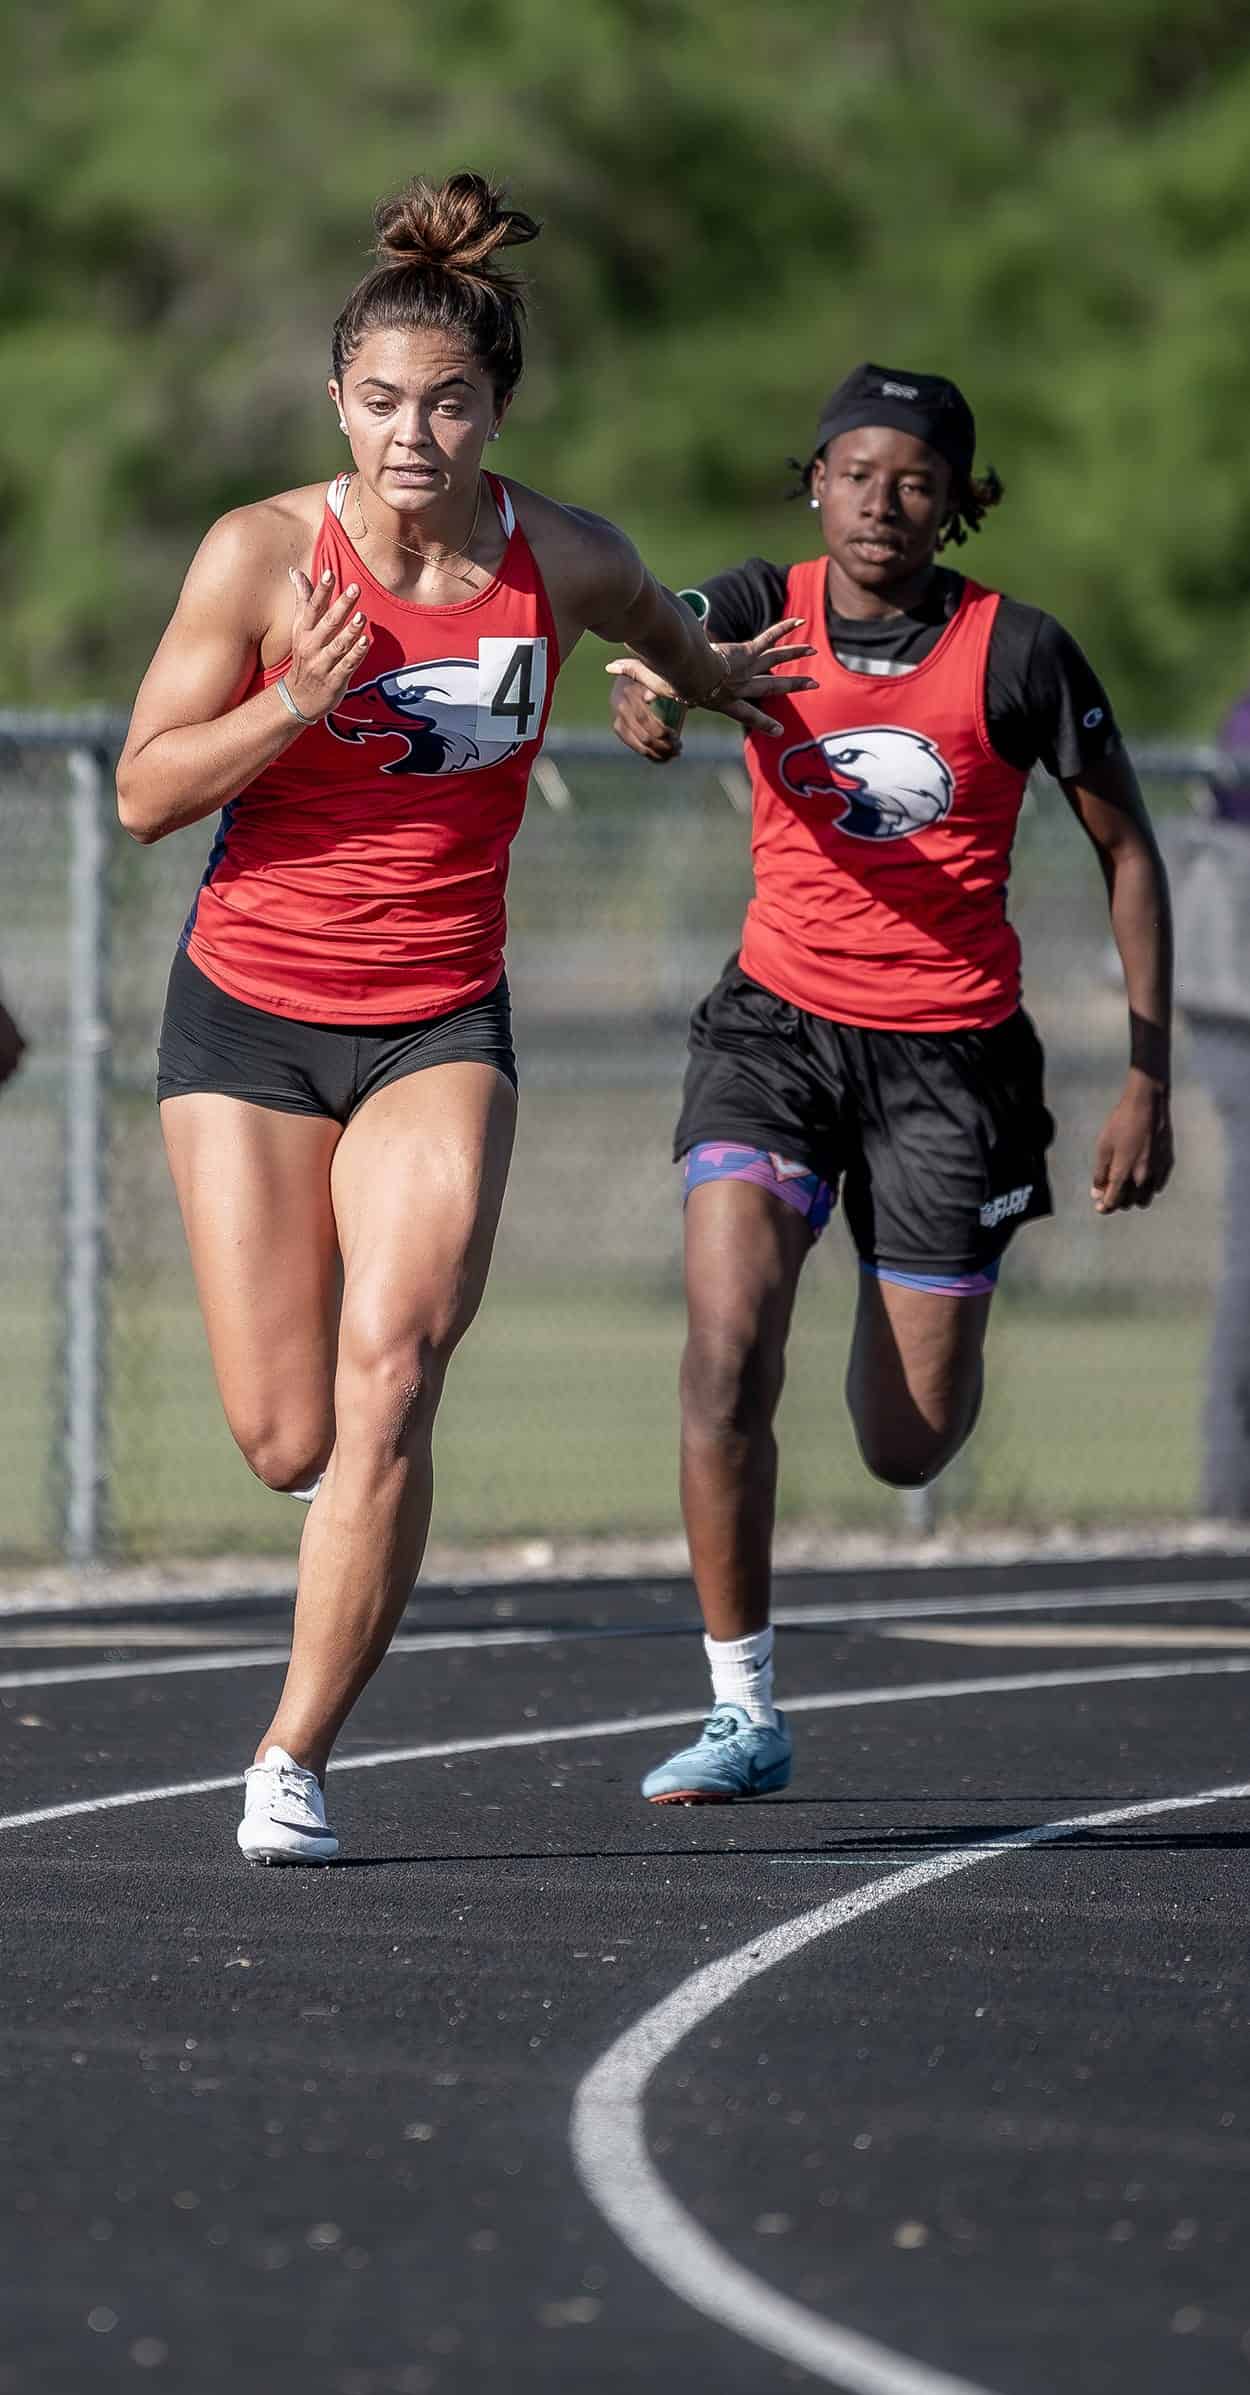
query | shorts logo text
[1001, 1209]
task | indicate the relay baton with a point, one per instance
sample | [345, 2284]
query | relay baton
[673, 711]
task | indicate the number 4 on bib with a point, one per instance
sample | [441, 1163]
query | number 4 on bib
[512, 688]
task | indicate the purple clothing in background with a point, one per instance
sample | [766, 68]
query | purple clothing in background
[1232, 799]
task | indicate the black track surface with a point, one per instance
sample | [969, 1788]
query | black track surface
[275, 2132]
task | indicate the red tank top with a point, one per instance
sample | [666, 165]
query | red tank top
[882, 832]
[361, 878]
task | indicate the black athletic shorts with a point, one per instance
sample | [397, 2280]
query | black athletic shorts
[938, 1138]
[211, 1041]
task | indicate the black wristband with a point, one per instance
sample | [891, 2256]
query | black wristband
[1149, 1048]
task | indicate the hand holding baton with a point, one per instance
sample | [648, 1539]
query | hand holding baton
[673, 712]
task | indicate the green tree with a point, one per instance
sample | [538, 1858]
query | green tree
[1046, 200]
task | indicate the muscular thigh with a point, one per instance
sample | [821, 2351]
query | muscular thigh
[253, 1186]
[417, 1184]
[915, 1358]
[744, 1252]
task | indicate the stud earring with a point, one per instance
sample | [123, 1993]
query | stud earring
[342, 424]
[811, 502]
[493, 436]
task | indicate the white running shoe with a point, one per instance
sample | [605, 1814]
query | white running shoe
[284, 1813]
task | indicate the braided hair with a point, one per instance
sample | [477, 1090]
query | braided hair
[970, 504]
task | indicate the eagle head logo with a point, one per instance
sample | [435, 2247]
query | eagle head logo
[888, 783]
[431, 710]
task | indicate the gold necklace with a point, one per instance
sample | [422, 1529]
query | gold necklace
[439, 564]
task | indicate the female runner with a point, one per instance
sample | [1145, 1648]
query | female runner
[869, 1034]
[360, 680]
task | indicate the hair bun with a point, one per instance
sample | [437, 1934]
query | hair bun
[457, 225]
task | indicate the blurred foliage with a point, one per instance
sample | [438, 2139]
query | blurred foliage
[1047, 200]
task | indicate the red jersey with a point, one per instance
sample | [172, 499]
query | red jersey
[882, 832]
[361, 878]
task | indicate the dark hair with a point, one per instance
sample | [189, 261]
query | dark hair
[971, 499]
[436, 269]
[969, 506]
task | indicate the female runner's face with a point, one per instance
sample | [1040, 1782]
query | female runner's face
[418, 409]
[882, 496]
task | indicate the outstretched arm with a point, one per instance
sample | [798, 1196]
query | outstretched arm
[1133, 1157]
[745, 665]
[622, 601]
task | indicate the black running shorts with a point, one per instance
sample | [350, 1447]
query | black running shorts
[937, 1138]
[211, 1041]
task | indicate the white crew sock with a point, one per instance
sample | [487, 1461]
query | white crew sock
[742, 1673]
[306, 1495]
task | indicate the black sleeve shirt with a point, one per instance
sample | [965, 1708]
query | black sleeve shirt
[1044, 704]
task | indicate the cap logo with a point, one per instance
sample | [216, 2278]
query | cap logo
[899, 391]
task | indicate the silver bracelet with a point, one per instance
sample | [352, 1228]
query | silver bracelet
[289, 703]
[718, 689]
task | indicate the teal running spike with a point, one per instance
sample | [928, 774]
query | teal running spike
[733, 1756]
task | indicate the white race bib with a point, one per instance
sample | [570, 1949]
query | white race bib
[512, 688]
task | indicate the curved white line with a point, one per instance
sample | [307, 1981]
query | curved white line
[563, 1734]
[785, 1617]
[610, 2144]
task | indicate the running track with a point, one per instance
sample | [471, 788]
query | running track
[927, 2078]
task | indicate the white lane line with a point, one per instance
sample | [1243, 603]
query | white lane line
[423, 1642]
[1072, 1634]
[1020, 1600]
[609, 2138]
[568, 1733]
[135, 1634]
[784, 1616]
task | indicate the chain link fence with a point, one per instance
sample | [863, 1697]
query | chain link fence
[627, 890]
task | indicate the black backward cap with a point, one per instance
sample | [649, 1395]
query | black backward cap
[927, 405]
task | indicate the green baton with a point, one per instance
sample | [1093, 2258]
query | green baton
[673, 711]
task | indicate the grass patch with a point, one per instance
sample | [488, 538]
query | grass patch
[561, 1419]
